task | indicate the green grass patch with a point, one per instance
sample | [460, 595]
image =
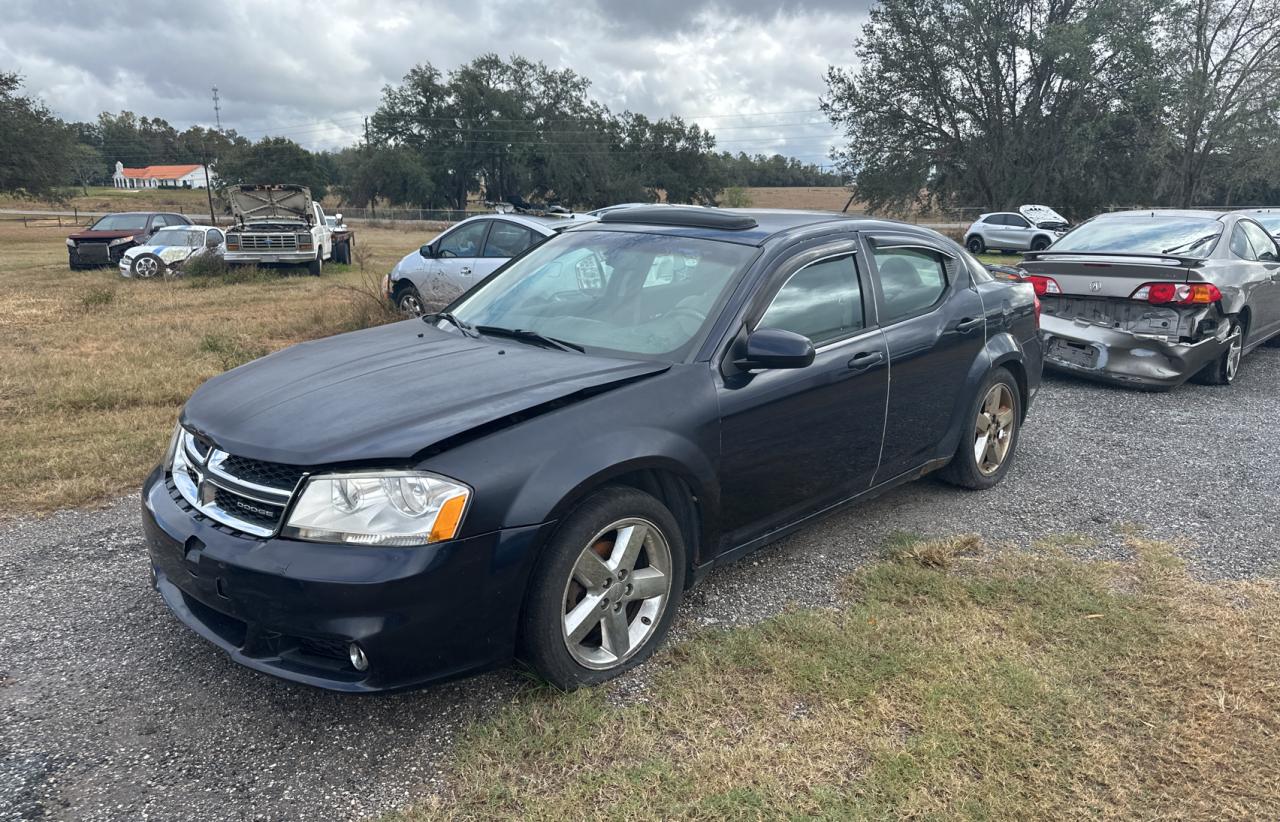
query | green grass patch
[1009, 686]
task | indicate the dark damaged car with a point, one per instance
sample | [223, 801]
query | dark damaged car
[542, 470]
[110, 236]
[1150, 299]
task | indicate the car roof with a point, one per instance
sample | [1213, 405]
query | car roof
[769, 223]
[142, 214]
[1201, 213]
[1265, 210]
[543, 225]
[193, 227]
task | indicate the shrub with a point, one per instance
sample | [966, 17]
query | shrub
[97, 297]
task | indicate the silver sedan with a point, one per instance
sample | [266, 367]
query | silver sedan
[465, 254]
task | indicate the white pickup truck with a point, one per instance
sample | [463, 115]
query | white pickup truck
[277, 224]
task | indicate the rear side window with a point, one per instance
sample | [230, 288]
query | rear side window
[912, 280]
[1015, 221]
[822, 301]
[1240, 246]
[507, 239]
[1259, 240]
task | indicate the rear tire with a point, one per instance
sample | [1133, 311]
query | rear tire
[615, 537]
[975, 245]
[316, 266]
[989, 441]
[1225, 369]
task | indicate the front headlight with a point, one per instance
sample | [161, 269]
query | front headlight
[389, 508]
[173, 447]
[120, 241]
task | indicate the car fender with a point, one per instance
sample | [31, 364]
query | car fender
[1001, 349]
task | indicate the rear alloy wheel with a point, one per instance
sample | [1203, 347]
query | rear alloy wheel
[987, 446]
[409, 301]
[607, 588]
[1223, 370]
[146, 267]
[975, 245]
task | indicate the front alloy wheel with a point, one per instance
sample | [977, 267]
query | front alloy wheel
[605, 589]
[616, 593]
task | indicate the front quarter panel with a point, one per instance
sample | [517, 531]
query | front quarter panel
[534, 471]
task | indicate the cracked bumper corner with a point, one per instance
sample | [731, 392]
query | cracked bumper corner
[1119, 357]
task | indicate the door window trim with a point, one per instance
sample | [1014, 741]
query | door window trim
[948, 289]
[757, 312]
[484, 238]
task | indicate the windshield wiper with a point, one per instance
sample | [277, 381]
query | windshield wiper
[462, 325]
[529, 336]
[1190, 244]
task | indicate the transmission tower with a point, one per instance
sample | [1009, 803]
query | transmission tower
[217, 110]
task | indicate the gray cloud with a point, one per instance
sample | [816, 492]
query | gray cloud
[311, 71]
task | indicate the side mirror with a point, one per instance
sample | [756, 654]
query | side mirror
[211, 242]
[427, 251]
[774, 348]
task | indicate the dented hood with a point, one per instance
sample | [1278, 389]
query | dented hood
[386, 393]
[257, 202]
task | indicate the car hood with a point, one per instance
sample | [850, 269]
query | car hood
[387, 393]
[104, 235]
[251, 202]
[168, 253]
[1041, 214]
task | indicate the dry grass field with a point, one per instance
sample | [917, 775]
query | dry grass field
[828, 198]
[93, 367]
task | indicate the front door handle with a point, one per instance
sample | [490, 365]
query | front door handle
[969, 323]
[865, 359]
[466, 269]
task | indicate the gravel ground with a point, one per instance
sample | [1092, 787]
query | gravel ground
[110, 710]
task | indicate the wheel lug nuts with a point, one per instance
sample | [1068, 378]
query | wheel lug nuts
[645, 620]
[628, 589]
[608, 582]
[617, 606]
[604, 605]
[622, 574]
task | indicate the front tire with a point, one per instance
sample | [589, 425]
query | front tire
[316, 266]
[975, 245]
[605, 590]
[1040, 243]
[147, 267]
[409, 301]
[989, 441]
[1223, 371]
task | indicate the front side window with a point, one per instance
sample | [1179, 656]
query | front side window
[180, 237]
[215, 236]
[912, 280]
[822, 301]
[599, 290]
[507, 239]
[463, 241]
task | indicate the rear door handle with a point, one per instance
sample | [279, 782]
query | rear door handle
[969, 324]
[865, 359]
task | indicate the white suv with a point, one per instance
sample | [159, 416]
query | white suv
[1030, 228]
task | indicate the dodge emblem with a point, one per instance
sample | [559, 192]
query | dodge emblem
[207, 491]
[1095, 285]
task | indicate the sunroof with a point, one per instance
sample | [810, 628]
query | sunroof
[676, 216]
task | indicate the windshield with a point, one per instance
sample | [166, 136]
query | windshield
[646, 295]
[1271, 222]
[121, 222]
[1184, 236]
[177, 236]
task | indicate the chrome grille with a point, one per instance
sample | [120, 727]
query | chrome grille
[247, 495]
[268, 242]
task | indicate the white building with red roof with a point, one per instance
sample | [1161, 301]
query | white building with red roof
[179, 176]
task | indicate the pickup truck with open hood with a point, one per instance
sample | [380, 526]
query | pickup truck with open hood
[277, 224]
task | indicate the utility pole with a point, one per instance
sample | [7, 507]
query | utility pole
[217, 110]
[208, 189]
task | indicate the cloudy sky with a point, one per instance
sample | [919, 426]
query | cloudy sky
[750, 71]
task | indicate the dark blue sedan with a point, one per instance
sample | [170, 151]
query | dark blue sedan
[541, 470]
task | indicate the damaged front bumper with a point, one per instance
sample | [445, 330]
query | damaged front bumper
[1122, 357]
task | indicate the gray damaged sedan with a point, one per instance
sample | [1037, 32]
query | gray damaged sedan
[1152, 298]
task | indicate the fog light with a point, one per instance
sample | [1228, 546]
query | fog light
[358, 660]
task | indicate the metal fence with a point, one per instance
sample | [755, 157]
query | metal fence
[437, 215]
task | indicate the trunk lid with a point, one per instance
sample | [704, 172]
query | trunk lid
[253, 203]
[1107, 275]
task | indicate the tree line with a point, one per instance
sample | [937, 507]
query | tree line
[493, 128]
[1080, 104]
